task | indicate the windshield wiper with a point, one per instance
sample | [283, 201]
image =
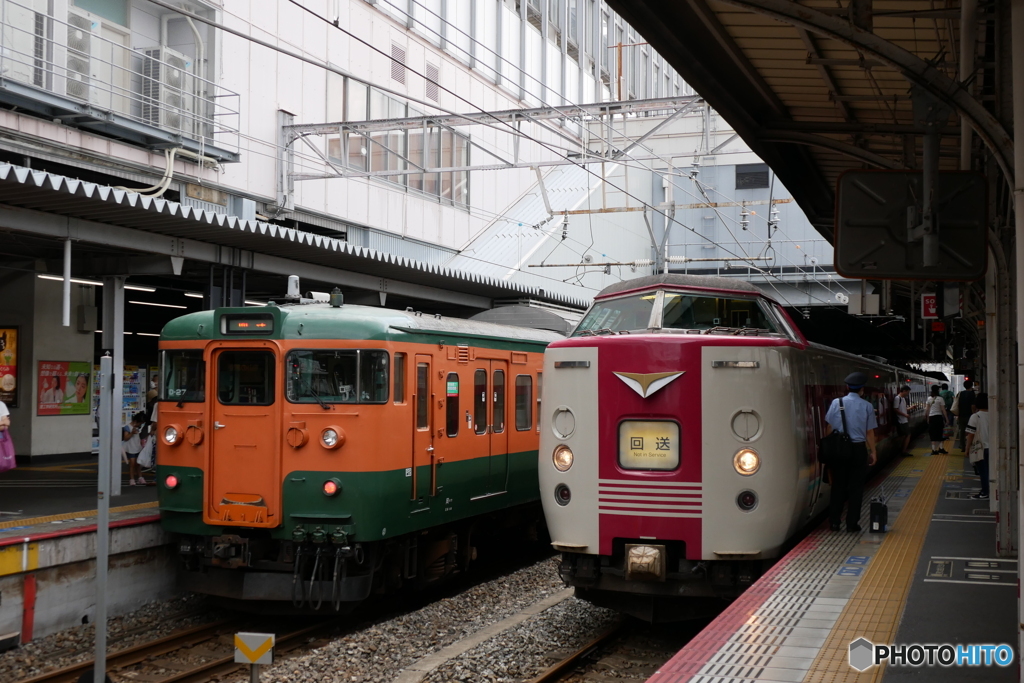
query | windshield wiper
[316, 396]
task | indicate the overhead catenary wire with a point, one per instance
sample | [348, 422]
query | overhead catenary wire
[362, 41]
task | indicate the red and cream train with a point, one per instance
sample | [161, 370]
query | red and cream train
[679, 448]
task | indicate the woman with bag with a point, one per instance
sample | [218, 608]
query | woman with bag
[7, 461]
[936, 411]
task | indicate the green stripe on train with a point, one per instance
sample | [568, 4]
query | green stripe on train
[371, 505]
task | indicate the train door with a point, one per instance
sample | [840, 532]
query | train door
[815, 408]
[423, 431]
[498, 461]
[243, 487]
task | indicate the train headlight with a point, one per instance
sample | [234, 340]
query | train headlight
[562, 458]
[746, 461]
[172, 435]
[332, 437]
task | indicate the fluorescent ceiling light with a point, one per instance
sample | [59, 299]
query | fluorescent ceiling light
[153, 303]
[195, 295]
[255, 303]
[147, 334]
[77, 281]
[94, 283]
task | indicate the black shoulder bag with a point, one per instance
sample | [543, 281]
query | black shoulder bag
[835, 447]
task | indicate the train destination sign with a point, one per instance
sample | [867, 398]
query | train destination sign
[256, 324]
[648, 445]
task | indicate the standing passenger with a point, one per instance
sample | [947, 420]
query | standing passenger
[964, 403]
[849, 473]
[935, 409]
[977, 440]
[902, 405]
[947, 397]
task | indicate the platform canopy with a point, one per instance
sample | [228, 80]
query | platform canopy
[819, 87]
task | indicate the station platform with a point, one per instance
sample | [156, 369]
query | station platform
[933, 578]
[62, 488]
[48, 548]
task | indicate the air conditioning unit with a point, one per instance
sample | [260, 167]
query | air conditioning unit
[25, 42]
[168, 91]
[97, 61]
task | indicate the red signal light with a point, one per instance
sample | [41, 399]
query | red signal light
[171, 481]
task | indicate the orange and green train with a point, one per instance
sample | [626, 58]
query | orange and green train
[317, 453]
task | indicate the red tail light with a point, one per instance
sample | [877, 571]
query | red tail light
[331, 487]
[171, 481]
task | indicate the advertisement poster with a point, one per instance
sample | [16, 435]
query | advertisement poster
[64, 388]
[9, 366]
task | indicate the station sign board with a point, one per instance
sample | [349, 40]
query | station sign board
[929, 306]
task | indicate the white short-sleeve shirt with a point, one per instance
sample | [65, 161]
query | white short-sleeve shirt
[3, 409]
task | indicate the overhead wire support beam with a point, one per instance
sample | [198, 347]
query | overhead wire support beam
[570, 111]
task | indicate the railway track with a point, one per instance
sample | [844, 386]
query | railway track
[194, 655]
[628, 650]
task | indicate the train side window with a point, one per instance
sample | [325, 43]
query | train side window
[245, 378]
[399, 370]
[498, 410]
[422, 397]
[524, 402]
[480, 401]
[451, 400]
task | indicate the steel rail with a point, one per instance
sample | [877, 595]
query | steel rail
[200, 672]
[137, 653]
[560, 669]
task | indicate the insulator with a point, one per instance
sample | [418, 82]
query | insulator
[641, 262]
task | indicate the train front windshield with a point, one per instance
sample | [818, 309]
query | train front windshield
[678, 311]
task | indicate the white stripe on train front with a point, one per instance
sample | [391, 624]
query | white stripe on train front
[633, 482]
[650, 499]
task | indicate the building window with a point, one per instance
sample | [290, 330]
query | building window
[751, 176]
[451, 400]
[707, 231]
[524, 402]
[112, 10]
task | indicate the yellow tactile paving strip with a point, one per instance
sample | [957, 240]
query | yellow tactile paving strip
[72, 515]
[874, 609]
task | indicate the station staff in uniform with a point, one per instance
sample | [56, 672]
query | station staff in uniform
[848, 476]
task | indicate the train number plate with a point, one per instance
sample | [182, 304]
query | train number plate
[649, 445]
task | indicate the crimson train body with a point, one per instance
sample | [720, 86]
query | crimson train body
[679, 449]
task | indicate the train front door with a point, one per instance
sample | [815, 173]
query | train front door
[243, 486]
[423, 432]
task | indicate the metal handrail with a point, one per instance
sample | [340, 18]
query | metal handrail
[117, 78]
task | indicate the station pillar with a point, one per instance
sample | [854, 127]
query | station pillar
[113, 341]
